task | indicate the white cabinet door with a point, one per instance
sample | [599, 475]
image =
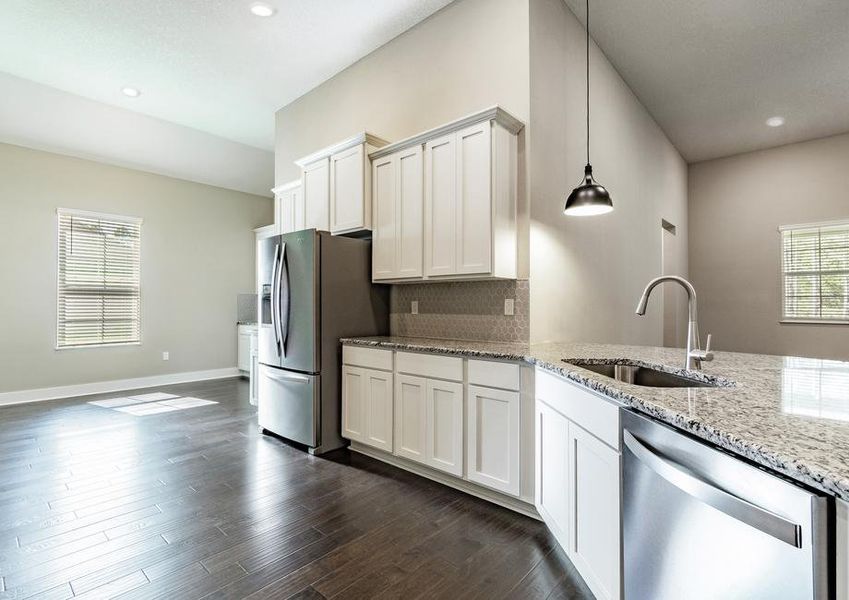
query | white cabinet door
[384, 234]
[315, 187]
[353, 403]
[445, 426]
[244, 352]
[411, 417]
[492, 428]
[594, 508]
[285, 204]
[297, 210]
[474, 200]
[441, 206]
[552, 471]
[280, 212]
[348, 208]
[409, 212]
[378, 409]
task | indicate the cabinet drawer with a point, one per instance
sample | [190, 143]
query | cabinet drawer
[429, 365]
[495, 374]
[592, 412]
[371, 358]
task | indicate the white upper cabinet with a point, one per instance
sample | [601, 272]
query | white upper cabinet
[473, 237]
[337, 185]
[441, 206]
[384, 236]
[315, 183]
[348, 210]
[289, 207]
[464, 223]
[397, 204]
[410, 224]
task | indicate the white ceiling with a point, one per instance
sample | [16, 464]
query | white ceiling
[711, 72]
[42, 117]
[206, 64]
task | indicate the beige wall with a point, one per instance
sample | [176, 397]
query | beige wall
[587, 273]
[197, 254]
[736, 206]
[468, 56]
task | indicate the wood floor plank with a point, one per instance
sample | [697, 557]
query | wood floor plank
[197, 503]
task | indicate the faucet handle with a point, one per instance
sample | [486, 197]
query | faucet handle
[703, 355]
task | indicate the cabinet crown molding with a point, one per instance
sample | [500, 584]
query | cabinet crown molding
[284, 187]
[493, 113]
[364, 137]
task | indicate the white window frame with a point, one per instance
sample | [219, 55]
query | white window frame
[107, 217]
[784, 319]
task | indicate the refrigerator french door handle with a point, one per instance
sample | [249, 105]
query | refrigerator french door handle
[275, 317]
[729, 504]
[285, 299]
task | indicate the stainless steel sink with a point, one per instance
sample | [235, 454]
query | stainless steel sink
[644, 376]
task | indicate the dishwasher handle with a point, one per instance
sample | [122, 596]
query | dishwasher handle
[725, 502]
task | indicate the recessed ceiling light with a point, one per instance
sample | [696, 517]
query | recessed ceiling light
[261, 9]
[775, 121]
[131, 92]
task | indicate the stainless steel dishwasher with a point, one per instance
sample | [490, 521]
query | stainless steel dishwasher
[701, 524]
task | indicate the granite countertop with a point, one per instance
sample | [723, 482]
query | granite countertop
[789, 414]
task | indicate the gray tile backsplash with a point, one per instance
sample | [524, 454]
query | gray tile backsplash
[246, 308]
[467, 310]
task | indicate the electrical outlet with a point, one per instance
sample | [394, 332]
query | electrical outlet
[508, 306]
[166, 356]
[414, 307]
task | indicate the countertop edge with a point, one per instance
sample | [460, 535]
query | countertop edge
[795, 469]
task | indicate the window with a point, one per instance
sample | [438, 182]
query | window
[815, 270]
[98, 295]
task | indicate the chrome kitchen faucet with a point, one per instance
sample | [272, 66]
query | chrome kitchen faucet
[695, 355]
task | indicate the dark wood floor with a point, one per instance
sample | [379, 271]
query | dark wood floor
[195, 503]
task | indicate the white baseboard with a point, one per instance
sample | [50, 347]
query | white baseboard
[116, 385]
[515, 504]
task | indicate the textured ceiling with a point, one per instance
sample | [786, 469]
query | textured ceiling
[206, 64]
[711, 72]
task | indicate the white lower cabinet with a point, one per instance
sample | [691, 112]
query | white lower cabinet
[411, 417]
[578, 480]
[552, 471]
[493, 427]
[444, 426]
[594, 508]
[379, 409]
[367, 410]
[440, 412]
[245, 335]
[353, 403]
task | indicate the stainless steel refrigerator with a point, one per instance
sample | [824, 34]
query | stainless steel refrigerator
[314, 288]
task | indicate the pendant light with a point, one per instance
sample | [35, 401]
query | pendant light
[589, 198]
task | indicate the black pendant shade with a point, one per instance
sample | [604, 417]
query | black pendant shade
[589, 198]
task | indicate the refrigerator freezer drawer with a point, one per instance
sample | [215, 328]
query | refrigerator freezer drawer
[289, 404]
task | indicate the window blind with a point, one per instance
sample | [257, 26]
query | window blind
[98, 291]
[815, 269]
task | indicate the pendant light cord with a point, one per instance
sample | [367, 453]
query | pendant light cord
[588, 82]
